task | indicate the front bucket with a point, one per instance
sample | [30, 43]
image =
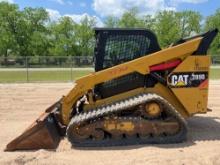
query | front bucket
[42, 134]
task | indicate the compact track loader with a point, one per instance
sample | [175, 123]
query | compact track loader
[138, 94]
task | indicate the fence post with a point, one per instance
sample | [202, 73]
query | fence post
[71, 68]
[27, 71]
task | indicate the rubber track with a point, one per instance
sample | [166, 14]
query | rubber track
[123, 105]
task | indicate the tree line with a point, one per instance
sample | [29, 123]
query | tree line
[169, 26]
[30, 32]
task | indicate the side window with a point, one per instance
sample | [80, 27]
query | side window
[123, 48]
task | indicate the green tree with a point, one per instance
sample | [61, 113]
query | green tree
[85, 36]
[167, 28]
[29, 32]
[63, 37]
[22, 28]
[39, 44]
[32, 36]
[212, 22]
[111, 22]
[8, 17]
[130, 19]
[189, 23]
[149, 22]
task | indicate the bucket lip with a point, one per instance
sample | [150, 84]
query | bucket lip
[42, 125]
[42, 135]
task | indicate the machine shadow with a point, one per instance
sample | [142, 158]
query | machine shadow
[200, 129]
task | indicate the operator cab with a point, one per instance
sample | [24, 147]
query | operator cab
[116, 46]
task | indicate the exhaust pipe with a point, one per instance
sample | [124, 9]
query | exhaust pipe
[44, 133]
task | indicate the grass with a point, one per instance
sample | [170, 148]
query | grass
[58, 76]
[41, 76]
[215, 73]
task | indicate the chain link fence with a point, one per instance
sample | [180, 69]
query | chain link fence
[44, 68]
[46, 62]
[216, 60]
[58, 69]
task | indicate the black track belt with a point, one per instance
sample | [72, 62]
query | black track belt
[119, 106]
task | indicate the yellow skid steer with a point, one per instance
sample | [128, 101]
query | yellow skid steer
[138, 94]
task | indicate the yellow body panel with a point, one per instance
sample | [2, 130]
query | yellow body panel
[140, 65]
[194, 99]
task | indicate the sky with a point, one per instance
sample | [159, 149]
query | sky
[77, 9]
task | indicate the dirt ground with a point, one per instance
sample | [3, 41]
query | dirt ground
[20, 104]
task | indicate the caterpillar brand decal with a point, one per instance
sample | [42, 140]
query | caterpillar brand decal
[187, 79]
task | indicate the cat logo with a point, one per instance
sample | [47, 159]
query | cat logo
[179, 80]
[187, 79]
